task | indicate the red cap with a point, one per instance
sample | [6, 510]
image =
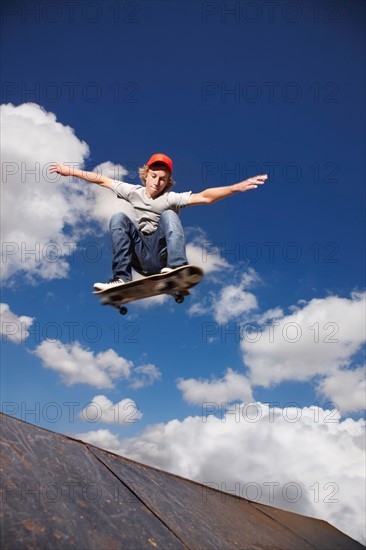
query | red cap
[163, 159]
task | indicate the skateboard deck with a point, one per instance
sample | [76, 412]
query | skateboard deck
[176, 284]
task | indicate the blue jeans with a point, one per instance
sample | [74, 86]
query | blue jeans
[147, 254]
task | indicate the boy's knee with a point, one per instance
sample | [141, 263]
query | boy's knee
[169, 217]
[169, 214]
[118, 220]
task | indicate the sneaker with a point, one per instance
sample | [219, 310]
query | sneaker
[111, 284]
[166, 270]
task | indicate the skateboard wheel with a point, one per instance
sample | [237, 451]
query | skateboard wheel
[179, 299]
[123, 310]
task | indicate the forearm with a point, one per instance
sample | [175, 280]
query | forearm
[213, 194]
[92, 177]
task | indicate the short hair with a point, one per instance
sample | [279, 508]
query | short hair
[143, 175]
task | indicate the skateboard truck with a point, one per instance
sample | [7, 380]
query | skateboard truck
[178, 297]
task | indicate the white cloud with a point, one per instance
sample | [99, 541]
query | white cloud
[35, 205]
[77, 365]
[101, 409]
[269, 315]
[314, 466]
[144, 375]
[14, 327]
[102, 203]
[317, 339]
[201, 252]
[233, 386]
[43, 213]
[111, 170]
[199, 308]
[101, 438]
[233, 301]
[346, 388]
[209, 264]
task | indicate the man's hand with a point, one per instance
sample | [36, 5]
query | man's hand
[251, 183]
[92, 177]
[61, 169]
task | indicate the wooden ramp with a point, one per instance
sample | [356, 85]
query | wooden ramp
[61, 493]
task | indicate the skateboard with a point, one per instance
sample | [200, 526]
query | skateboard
[176, 283]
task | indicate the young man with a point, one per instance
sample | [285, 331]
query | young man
[147, 233]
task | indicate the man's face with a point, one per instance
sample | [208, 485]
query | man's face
[156, 181]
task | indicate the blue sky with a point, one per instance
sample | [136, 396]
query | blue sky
[228, 90]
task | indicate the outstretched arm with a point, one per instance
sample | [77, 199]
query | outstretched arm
[213, 194]
[93, 177]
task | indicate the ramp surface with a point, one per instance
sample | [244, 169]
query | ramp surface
[60, 493]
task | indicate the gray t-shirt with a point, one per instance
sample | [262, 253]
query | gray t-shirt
[147, 210]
